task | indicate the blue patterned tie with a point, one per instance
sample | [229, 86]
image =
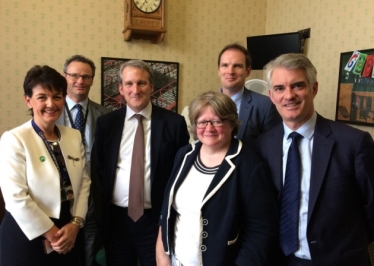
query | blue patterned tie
[79, 121]
[289, 222]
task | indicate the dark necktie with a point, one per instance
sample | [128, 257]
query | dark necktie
[289, 222]
[136, 191]
[79, 121]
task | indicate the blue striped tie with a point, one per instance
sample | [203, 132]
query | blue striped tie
[289, 222]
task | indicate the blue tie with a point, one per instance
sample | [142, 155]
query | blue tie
[289, 222]
[79, 121]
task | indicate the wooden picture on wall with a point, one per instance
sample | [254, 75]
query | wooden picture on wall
[355, 100]
[165, 92]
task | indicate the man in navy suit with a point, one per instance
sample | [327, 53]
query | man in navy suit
[256, 112]
[127, 239]
[336, 199]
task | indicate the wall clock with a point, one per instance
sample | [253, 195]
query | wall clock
[144, 19]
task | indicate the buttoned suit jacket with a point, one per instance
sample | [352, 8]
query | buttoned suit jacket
[168, 134]
[94, 111]
[341, 194]
[239, 212]
[257, 115]
[30, 181]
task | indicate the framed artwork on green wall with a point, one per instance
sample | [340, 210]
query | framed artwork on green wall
[355, 99]
[165, 92]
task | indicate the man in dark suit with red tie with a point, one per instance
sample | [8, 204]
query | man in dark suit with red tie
[129, 233]
[334, 217]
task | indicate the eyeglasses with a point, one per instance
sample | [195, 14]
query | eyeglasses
[75, 77]
[204, 124]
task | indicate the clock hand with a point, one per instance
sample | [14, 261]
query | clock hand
[145, 2]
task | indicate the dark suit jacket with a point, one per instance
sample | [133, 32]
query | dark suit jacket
[94, 111]
[168, 134]
[239, 211]
[257, 114]
[341, 196]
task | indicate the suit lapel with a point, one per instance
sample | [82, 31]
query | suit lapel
[186, 165]
[274, 151]
[322, 149]
[157, 128]
[117, 131]
[93, 113]
[244, 112]
[224, 171]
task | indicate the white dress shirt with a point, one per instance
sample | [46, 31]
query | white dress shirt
[122, 180]
[306, 149]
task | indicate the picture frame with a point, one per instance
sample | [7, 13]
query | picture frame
[355, 97]
[165, 94]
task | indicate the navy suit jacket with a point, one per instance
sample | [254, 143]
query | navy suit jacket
[341, 196]
[257, 114]
[168, 134]
[239, 211]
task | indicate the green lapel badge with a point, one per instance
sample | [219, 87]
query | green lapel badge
[42, 158]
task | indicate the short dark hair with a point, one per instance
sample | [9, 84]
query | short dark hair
[46, 77]
[236, 46]
[82, 59]
[222, 105]
[137, 64]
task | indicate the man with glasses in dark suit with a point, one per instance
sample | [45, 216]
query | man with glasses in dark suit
[81, 113]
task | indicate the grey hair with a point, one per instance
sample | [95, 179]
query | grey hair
[82, 59]
[138, 64]
[291, 61]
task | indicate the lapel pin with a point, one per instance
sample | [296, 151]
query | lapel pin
[74, 159]
[42, 158]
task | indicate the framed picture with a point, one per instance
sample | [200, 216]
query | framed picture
[355, 101]
[165, 92]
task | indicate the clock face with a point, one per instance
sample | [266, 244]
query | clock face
[147, 6]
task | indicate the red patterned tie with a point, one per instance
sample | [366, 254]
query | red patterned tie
[136, 191]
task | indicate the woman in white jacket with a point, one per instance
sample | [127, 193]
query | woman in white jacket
[43, 179]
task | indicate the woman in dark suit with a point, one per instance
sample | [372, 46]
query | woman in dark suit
[220, 206]
[44, 182]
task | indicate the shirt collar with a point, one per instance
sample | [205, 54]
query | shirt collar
[71, 103]
[306, 130]
[237, 97]
[146, 112]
